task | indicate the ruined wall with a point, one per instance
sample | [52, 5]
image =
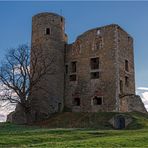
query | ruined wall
[88, 46]
[48, 43]
[132, 103]
[126, 59]
[126, 67]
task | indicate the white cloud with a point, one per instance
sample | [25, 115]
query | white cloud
[142, 88]
[2, 118]
[143, 93]
[5, 106]
[5, 109]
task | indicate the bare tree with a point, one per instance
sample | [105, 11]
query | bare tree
[20, 73]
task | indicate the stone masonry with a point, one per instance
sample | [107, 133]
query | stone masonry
[95, 73]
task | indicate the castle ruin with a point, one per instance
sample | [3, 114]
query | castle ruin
[94, 73]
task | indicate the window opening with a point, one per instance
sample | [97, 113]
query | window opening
[76, 102]
[97, 100]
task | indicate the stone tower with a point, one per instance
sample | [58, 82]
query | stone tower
[48, 42]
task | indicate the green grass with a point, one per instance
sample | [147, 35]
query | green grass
[28, 136]
[97, 120]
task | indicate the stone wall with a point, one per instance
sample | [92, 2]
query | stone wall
[116, 70]
[132, 103]
[86, 88]
[128, 101]
[126, 62]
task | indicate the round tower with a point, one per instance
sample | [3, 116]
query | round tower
[47, 60]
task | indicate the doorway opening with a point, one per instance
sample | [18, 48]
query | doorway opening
[120, 122]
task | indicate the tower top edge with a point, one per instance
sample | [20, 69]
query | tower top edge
[42, 14]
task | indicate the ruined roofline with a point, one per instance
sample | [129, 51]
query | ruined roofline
[97, 28]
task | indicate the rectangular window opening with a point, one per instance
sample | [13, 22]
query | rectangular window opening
[47, 31]
[66, 69]
[126, 65]
[97, 100]
[61, 19]
[126, 81]
[94, 63]
[121, 86]
[73, 67]
[76, 102]
[72, 77]
[95, 75]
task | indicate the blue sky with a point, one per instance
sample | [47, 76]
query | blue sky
[15, 24]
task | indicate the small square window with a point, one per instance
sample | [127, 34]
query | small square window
[97, 100]
[94, 75]
[72, 77]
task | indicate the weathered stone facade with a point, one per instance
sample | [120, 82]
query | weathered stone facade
[90, 75]
[48, 39]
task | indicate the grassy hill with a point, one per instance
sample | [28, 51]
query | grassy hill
[33, 136]
[92, 120]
